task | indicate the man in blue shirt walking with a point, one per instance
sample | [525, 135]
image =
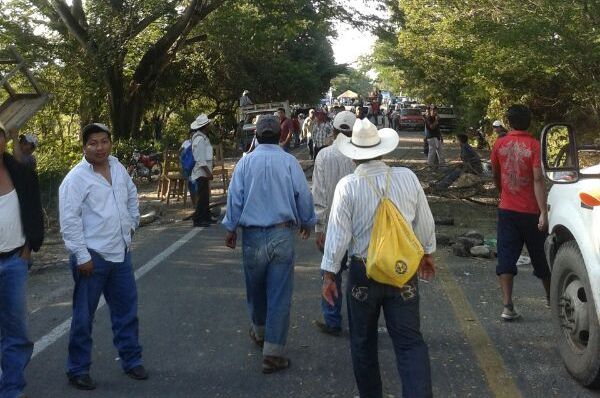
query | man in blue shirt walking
[269, 196]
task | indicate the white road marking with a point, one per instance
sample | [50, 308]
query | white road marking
[59, 331]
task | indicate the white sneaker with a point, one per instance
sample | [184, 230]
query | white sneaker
[509, 314]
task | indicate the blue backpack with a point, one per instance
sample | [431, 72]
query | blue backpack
[186, 158]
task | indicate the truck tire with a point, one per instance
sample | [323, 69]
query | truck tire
[574, 314]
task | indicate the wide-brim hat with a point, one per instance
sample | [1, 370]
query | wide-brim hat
[201, 121]
[367, 142]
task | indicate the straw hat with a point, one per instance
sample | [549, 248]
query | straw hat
[367, 142]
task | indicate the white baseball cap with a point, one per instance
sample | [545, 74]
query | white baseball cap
[497, 123]
[30, 138]
[344, 121]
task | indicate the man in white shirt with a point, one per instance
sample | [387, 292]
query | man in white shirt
[99, 211]
[202, 172]
[349, 228]
[330, 167]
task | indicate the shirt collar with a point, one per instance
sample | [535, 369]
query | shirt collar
[267, 147]
[518, 132]
[111, 161]
[373, 165]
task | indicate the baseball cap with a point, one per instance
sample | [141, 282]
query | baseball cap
[30, 138]
[267, 125]
[344, 121]
[497, 123]
[93, 128]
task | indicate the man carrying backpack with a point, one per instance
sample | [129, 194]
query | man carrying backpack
[354, 221]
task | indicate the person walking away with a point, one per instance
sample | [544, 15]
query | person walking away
[322, 133]
[22, 230]
[202, 172]
[499, 129]
[245, 99]
[434, 138]
[267, 198]
[98, 209]
[330, 167]
[522, 212]
[287, 130]
[349, 229]
[192, 185]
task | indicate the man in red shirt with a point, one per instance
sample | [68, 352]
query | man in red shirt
[522, 213]
[286, 130]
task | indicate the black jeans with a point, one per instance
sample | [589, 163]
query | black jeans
[365, 299]
[202, 213]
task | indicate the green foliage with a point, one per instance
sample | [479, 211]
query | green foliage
[481, 56]
[354, 80]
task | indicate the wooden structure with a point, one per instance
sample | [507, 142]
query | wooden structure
[172, 183]
[220, 172]
[19, 107]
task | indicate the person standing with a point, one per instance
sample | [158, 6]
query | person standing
[307, 127]
[499, 129]
[202, 172]
[433, 136]
[268, 197]
[522, 212]
[192, 185]
[330, 167]
[286, 128]
[27, 145]
[98, 208]
[349, 229]
[245, 99]
[322, 133]
[22, 230]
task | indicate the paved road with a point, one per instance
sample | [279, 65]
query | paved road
[193, 326]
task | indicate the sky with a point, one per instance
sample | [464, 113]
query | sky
[352, 43]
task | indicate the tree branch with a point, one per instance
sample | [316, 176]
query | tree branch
[75, 29]
[195, 39]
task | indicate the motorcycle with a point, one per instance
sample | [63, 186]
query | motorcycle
[142, 165]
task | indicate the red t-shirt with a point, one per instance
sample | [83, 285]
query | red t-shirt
[286, 126]
[515, 156]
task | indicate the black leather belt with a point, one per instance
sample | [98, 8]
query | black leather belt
[287, 224]
[5, 255]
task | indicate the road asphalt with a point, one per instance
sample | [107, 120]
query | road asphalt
[194, 329]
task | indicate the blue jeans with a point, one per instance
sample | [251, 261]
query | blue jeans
[117, 282]
[16, 347]
[268, 257]
[332, 314]
[401, 311]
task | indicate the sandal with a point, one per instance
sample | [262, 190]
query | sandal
[255, 339]
[274, 364]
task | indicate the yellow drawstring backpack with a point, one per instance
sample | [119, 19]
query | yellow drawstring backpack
[394, 251]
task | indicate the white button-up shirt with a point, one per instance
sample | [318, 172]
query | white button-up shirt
[354, 205]
[98, 215]
[330, 167]
[203, 155]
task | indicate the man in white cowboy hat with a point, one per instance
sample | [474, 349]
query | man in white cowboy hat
[244, 99]
[330, 167]
[202, 172]
[349, 229]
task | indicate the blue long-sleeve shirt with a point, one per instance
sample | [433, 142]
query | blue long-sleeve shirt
[268, 187]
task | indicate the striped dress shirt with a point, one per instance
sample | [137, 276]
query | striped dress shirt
[330, 167]
[353, 209]
[322, 134]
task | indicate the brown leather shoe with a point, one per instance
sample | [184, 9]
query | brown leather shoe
[274, 364]
[137, 373]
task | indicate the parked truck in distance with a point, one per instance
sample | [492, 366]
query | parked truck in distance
[247, 117]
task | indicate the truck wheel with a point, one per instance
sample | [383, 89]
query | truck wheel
[574, 313]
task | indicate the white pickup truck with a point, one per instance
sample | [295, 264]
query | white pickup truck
[573, 248]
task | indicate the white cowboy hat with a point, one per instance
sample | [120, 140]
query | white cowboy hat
[366, 142]
[201, 121]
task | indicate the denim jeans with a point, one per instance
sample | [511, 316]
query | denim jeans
[332, 314]
[401, 311]
[117, 282]
[268, 257]
[16, 347]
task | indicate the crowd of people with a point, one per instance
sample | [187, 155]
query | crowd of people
[269, 198]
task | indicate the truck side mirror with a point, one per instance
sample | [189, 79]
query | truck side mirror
[560, 161]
